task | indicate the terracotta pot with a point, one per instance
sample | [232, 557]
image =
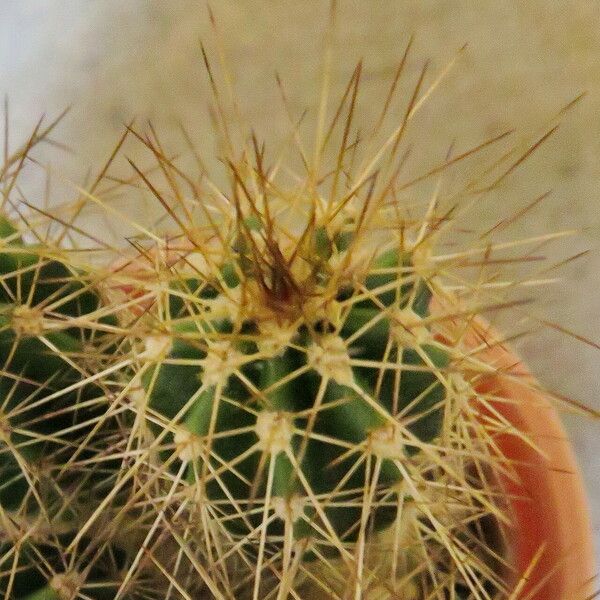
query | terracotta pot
[550, 541]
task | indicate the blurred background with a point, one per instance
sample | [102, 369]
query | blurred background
[113, 60]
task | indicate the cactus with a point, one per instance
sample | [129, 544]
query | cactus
[48, 404]
[286, 395]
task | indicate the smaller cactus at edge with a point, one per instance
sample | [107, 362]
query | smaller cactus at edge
[47, 405]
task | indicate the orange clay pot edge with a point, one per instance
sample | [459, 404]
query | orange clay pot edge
[554, 512]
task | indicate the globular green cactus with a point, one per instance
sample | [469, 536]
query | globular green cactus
[291, 390]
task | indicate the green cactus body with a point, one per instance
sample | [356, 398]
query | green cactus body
[301, 424]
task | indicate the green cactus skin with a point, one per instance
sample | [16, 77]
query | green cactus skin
[227, 423]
